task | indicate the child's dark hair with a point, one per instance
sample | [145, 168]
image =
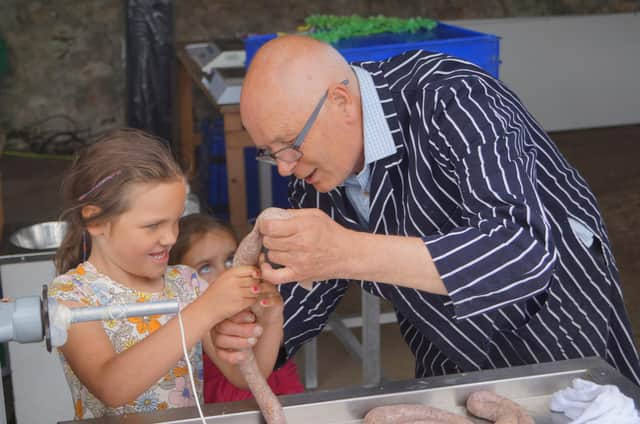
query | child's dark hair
[101, 175]
[191, 227]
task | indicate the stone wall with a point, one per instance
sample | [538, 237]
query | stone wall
[204, 18]
[66, 63]
[66, 56]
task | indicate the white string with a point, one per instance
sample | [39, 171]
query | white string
[186, 358]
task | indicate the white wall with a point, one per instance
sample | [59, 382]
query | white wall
[574, 71]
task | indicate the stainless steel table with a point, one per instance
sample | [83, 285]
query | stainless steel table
[530, 385]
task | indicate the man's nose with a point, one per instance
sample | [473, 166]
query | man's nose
[285, 169]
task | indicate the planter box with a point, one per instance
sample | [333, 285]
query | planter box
[477, 47]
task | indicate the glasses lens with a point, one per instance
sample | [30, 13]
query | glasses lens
[288, 155]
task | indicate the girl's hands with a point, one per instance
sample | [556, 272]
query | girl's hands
[268, 310]
[234, 290]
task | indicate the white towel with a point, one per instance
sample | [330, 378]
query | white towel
[588, 402]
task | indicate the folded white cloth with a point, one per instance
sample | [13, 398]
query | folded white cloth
[588, 402]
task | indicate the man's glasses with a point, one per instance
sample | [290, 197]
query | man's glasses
[292, 153]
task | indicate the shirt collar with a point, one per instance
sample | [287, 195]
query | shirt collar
[378, 142]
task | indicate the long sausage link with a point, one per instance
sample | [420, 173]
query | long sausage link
[247, 254]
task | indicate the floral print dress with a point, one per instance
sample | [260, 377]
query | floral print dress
[86, 285]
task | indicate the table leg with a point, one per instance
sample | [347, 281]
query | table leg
[311, 364]
[371, 370]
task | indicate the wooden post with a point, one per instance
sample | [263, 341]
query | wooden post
[185, 107]
[236, 139]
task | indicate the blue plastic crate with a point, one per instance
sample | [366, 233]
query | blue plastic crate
[212, 167]
[476, 47]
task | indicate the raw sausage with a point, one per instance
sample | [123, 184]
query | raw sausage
[407, 414]
[500, 410]
[247, 254]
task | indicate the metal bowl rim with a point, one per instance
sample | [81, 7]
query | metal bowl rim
[55, 225]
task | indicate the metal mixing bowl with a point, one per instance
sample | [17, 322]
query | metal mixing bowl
[42, 236]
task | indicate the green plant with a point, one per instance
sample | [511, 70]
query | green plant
[332, 28]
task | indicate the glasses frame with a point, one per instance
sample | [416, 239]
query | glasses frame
[272, 158]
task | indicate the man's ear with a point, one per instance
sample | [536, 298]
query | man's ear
[339, 94]
[341, 97]
[88, 212]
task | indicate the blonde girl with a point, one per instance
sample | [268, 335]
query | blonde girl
[125, 195]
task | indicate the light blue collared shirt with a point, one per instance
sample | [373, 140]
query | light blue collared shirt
[378, 144]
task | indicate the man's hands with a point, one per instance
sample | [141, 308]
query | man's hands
[309, 244]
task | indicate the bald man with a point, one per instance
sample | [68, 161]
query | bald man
[426, 180]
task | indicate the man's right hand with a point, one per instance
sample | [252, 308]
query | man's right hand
[232, 337]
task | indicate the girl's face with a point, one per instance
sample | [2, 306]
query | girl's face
[133, 249]
[209, 252]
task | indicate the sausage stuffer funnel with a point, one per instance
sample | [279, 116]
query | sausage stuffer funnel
[29, 319]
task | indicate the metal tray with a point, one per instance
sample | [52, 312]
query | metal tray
[531, 386]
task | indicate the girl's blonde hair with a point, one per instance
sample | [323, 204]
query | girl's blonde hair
[101, 176]
[191, 228]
